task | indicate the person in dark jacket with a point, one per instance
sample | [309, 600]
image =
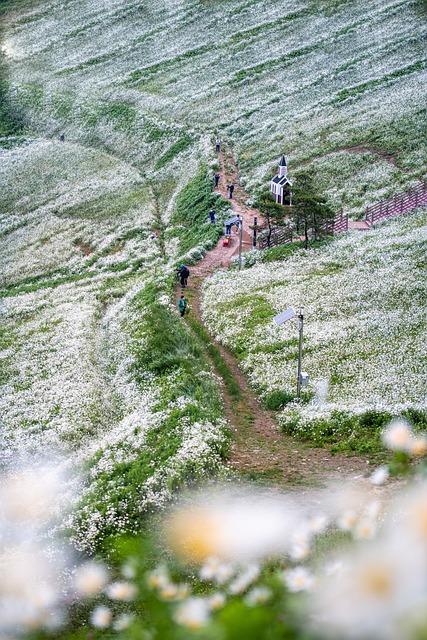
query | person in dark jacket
[183, 274]
[212, 214]
[231, 189]
[217, 177]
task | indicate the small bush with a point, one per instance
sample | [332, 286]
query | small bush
[278, 399]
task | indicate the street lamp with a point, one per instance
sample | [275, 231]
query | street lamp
[240, 241]
[302, 378]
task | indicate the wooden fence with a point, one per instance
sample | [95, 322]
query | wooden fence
[397, 204]
[340, 222]
[279, 235]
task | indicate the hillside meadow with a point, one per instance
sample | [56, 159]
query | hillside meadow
[110, 406]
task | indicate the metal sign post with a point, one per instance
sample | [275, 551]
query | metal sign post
[286, 315]
[240, 242]
[300, 327]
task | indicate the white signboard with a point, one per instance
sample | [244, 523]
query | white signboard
[284, 316]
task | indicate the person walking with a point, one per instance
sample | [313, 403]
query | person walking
[212, 214]
[183, 274]
[231, 189]
[182, 305]
[217, 177]
[218, 145]
[238, 223]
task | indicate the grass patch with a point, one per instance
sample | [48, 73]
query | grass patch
[178, 147]
[10, 121]
[216, 356]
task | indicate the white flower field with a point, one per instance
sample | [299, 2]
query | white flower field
[365, 333]
[108, 115]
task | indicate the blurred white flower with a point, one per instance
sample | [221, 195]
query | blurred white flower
[258, 595]
[365, 529]
[193, 613]
[371, 597]
[31, 495]
[334, 567]
[216, 571]
[30, 589]
[101, 617]
[90, 578]
[121, 591]
[123, 622]
[227, 526]
[380, 475]
[299, 579]
[129, 569]
[217, 601]
[159, 578]
[418, 446]
[413, 513]
[245, 579]
[347, 520]
[398, 436]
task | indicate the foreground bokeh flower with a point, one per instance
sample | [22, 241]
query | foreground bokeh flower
[91, 578]
[233, 526]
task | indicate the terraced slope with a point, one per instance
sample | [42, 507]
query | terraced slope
[339, 84]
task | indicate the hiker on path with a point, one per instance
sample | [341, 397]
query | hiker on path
[238, 223]
[217, 177]
[182, 305]
[183, 274]
[218, 145]
[212, 214]
[230, 187]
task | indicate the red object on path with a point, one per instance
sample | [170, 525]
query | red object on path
[226, 241]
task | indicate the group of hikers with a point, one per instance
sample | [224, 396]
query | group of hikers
[183, 274]
[230, 187]
[183, 271]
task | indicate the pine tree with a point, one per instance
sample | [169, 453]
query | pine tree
[312, 216]
[275, 215]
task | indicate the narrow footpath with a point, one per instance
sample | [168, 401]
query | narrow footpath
[260, 451]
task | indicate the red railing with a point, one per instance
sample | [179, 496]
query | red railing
[340, 222]
[397, 204]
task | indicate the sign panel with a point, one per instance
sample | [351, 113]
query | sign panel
[284, 316]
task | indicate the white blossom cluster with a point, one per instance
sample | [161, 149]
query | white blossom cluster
[364, 320]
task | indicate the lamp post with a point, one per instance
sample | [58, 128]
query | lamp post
[302, 380]
[255, 230]
[300, 327]
[240, 242]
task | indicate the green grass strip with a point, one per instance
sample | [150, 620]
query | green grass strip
[216, 356]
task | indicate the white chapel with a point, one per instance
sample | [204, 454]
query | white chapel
[280, 185]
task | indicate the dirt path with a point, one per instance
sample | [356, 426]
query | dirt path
[260, 450]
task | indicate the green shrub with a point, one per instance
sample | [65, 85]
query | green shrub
[278, 399]
[353, 434]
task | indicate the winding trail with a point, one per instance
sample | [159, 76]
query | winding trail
[260, 451]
